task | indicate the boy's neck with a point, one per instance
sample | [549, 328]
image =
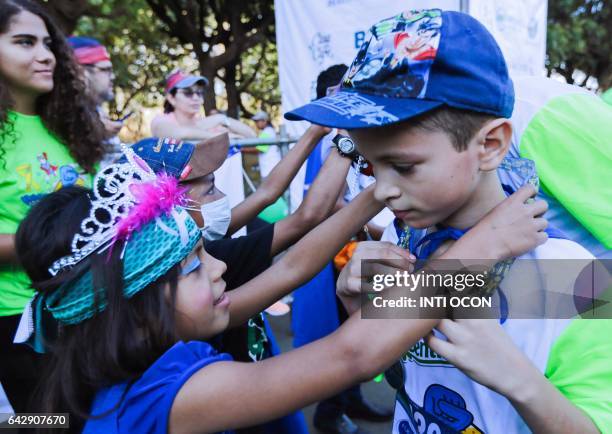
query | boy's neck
[487, 196]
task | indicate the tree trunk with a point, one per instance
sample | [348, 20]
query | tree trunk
[233, 96]
[210, 101]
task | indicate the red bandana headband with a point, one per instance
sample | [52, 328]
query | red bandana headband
[90, 55]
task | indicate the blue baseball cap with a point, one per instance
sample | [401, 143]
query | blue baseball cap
[413, 63]
[183, 160]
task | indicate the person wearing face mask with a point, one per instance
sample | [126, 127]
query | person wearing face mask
[195, 164]
[247, 256]
[218, 214]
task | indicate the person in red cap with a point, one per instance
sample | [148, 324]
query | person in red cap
[98, 68]
[99, 77]
[182, 118]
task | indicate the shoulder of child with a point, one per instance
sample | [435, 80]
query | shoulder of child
[148, 401]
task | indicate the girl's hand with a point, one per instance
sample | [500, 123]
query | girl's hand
[483, 351]
[387, 258]
[512, 228]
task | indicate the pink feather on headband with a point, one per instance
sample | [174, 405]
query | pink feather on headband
[153, 199]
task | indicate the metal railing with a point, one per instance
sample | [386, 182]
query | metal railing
[282, 141]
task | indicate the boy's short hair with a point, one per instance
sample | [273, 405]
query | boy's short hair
[459, 125]
[416, 62]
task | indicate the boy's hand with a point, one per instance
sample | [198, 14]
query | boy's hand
[483, 351]
[513, 227]
[387, 257]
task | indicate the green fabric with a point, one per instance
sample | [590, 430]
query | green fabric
[257, 340]
[275, 212]
[570, 140]
[264, 135]
[580, 367]
[35, 164]
[607, 96]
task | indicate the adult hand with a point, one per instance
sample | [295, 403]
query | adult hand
[513, 227]
[482, 350]
[386, 258]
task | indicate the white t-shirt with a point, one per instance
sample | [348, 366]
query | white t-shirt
[270, 158]
[439, 398]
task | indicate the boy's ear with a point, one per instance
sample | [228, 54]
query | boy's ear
[495, 138]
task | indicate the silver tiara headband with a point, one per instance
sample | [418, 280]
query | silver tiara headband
[115, 191]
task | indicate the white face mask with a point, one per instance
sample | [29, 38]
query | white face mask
[217, 216]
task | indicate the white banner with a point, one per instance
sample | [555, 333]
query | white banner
[519, 26]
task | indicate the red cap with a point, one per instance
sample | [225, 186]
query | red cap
[181, 80]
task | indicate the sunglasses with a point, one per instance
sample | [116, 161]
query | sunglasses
[189, 93]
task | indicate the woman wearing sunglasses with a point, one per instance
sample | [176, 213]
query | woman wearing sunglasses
[183, 118]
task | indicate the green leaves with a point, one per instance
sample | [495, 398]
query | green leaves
[579, 42]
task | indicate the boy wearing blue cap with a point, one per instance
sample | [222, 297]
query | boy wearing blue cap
[428, 101]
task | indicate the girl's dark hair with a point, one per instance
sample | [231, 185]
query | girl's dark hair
[66, 111]
[114, 346]
[169, 108]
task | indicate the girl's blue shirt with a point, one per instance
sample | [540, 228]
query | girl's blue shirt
[146, 404]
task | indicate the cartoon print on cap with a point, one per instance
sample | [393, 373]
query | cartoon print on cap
[396, 60]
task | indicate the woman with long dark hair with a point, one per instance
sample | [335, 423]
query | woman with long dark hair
[50, 137]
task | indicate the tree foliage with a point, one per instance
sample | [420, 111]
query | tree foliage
[232, 43]
[579, 41]
[67, 13]
[220, 33]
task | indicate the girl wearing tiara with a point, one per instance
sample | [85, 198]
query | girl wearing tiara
[127, 298]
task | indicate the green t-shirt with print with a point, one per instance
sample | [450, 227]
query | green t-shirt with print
[32, 164]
